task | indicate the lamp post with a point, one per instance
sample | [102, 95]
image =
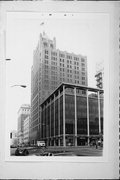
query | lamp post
[23, 86]
[8, 59]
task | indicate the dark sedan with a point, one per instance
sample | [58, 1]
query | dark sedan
[21, 152]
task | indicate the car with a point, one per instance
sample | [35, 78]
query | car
[47, 154]
[21, 152]
[13, 146]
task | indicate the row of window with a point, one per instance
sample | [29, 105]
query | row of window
[55, 72]
[69, 57]
[68, 66]
[62, 79]
[62, 60]
[46, 77]
[47, 45]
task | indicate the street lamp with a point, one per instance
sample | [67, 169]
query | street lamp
[23, 86]
[8, 59]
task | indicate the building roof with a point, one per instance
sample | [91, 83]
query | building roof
[71, 85]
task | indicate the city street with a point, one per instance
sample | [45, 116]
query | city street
[61, 151]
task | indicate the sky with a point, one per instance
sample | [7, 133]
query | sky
[84, 33]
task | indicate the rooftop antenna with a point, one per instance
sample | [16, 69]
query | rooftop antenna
[42, 27]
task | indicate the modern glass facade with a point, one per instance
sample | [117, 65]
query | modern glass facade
[81, 115]
[69, 114]
[72, 119]
[93, 116]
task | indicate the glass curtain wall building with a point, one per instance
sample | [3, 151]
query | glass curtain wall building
[71, 118]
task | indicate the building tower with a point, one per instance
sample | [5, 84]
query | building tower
[51, 67]
[23, 113]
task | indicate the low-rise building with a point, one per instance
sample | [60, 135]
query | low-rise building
[23, 113]
[13, 138]
[71, 118]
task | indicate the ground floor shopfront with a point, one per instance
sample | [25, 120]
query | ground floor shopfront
[72, 141]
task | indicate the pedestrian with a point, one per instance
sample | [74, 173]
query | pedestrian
[96, 144]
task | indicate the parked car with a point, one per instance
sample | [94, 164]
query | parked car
[21, 152]
[13, 146]
[41, 144]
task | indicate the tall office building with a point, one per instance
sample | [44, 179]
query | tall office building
[51, 67]
[23, 113]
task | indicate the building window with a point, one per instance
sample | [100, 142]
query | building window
[83, 78]
[54, 53]
[83, 65]
[46, 51]
[69, 57]
[83, 82]
[51, 45]
[46, 62]
[46, 57]
[61, 55]
[45, 44]
[83, 73]
[46, 66]
[82, 60]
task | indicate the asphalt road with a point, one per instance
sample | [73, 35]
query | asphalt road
[61, 151]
